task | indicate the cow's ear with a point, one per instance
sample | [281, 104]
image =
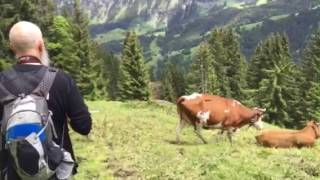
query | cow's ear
[310, 123]
[313, 121]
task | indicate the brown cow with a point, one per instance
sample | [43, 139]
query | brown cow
[215, 112]
[290, 138]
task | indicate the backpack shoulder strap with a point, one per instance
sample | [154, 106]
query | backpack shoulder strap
[45, 84]
[13, 79]
[5, 94]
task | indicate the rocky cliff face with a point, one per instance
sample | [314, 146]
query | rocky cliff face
[153, 11]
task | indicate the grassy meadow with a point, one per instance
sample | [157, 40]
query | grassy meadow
[135, 140]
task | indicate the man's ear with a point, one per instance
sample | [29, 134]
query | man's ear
[12, 48]
[40, 45]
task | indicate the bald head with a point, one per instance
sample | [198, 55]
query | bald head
[26, 40]
[25, 36]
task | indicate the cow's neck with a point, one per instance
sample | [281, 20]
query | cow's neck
[310, 130]
[246, 115]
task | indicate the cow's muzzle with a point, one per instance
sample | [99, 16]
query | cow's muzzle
[258, 124]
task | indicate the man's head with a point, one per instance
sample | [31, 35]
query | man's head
[26, 40]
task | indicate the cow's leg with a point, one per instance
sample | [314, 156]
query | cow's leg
[219, 135]
[197, 130]
[230, 135]
[221, 132]
[180, 126]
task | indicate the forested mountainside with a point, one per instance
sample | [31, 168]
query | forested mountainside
[170, 27]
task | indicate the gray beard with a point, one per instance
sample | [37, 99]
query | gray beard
[45, 60]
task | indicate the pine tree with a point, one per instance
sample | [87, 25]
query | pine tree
[86, 76]
[311, 82]
[202, 77]
[255, 75]
[312, 102]
[178, 81]
[134, 81]
[89, 78]
[61, 47]
[173, 82]
[254, 68]
[237, 68]
[111, 67]
[229, 63]
[220, 61]
[277, 90]
[94, 69]
[199, 71]
[108, 74]
[169, 93]
[7, 18]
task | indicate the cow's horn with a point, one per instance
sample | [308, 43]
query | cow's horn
[263, 109]
[260, 109]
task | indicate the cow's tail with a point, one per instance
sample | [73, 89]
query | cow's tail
[180, 100]
[179, 106]
[181, 123]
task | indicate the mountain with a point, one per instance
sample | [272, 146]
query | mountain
[169, 28]
[151, 11]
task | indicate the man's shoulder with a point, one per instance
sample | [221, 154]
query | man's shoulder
[2, 74]
[62, 74]
[63, 80]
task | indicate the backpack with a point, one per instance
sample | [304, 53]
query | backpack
[27, 130]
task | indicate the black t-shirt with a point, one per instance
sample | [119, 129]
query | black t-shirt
[65, 101]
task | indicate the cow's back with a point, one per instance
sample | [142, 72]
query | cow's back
[277, 138]
[221, 109]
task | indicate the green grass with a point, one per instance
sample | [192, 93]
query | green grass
[116, 34]
[140, 27]
[261, 2]
[134, 140]
[237, 5]
[248, 27]
[282, 16]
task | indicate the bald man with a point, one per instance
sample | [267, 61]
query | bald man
[65, 100]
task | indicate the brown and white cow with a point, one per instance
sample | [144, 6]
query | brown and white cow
[215, 112]
[284, 138]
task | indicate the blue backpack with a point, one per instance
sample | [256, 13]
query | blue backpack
[27, 130]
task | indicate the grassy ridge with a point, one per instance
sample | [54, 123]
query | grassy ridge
[134, 140]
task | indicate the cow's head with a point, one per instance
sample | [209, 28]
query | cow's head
[256, 120]
[315, 126]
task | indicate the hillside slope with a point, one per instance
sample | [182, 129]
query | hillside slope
[134, 140]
